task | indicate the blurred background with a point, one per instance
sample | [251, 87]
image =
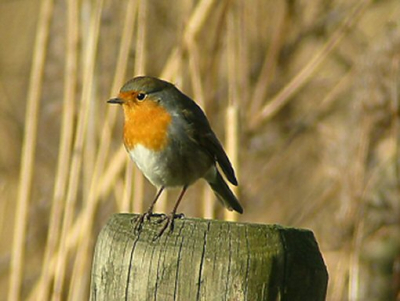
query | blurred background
[304, 95]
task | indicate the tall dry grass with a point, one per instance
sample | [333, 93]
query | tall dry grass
[305, 96]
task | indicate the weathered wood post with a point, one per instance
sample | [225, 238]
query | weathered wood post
[206, 260]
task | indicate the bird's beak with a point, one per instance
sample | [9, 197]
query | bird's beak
[116, 100]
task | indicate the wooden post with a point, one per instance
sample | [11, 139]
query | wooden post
[206, 260]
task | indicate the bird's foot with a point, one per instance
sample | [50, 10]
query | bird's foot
[160, 216]
[168, 224]
[168, 221]
[141, 219]
[163, 217]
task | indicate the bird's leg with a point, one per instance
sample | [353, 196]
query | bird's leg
[139, 221]
[170, 217]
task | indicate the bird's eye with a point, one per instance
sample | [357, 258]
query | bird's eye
[141, 96]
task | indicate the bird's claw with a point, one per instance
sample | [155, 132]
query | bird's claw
[160, 216]
[168, 224]
[140, 220]
[163, 217]
[168, 221]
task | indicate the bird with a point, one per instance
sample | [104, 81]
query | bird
[170, 139]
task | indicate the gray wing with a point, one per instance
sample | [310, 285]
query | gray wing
[199, 130]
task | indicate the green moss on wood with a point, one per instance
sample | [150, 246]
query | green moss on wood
[206, 260]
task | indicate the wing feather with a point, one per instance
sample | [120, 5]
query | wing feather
[199, 130]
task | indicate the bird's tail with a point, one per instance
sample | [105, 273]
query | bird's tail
[223, 193]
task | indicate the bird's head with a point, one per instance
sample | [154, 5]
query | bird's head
[139, 90]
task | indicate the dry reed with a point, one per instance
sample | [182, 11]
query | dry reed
[28, 151]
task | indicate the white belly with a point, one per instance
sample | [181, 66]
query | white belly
[149, 162]
[170, 168]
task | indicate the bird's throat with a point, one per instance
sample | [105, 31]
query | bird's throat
[146, 124]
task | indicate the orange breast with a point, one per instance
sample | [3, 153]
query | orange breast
[146, 123]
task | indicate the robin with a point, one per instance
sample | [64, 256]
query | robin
[170, 139]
